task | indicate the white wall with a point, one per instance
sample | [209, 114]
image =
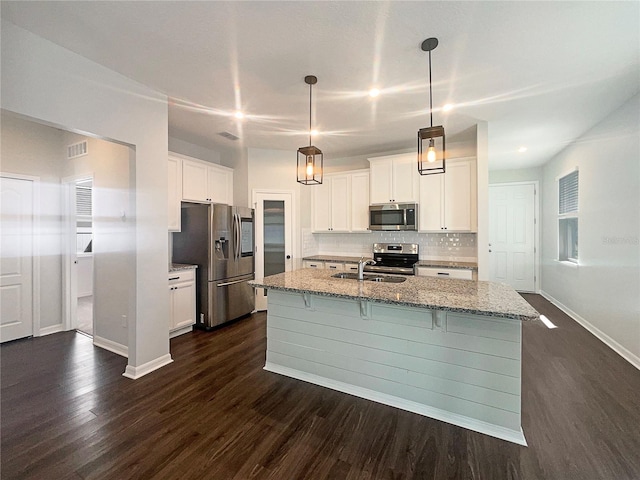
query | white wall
[516, 175]
[191, 150]
[32, 149]
[46, 82]
[604, 290]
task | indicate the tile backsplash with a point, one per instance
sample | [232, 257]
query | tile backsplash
[433, 246]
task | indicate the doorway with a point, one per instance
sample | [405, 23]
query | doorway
[274, 237]
[513, 235]
[79, 264]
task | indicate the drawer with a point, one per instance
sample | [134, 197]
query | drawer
[351, 267]
[445, 273]
[334, 266]
[182, 276]
[312, 264]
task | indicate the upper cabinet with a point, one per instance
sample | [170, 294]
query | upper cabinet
[394, 178]
[206, 182]
[192, 180]
[448, 201]
[175, 192]
[341, 203]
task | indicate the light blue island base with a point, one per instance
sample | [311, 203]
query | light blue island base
[460, 368]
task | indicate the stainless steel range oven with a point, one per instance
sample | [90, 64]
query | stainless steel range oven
[397, 258]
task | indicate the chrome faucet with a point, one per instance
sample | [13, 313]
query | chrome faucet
[361, 264]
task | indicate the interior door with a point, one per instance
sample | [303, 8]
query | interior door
[16, 258]
[274, 237]
[512, 235]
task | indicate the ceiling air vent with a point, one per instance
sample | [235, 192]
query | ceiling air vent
[229, 136]
[77, 150]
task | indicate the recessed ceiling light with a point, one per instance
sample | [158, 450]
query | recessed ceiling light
[239, 115]
[522, 149]
[447, 107]
[374, 92]
[314, 133]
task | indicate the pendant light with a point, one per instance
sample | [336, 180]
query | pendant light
[309, 163]
[431, 147]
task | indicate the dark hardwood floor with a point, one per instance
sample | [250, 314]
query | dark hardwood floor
[68, 413]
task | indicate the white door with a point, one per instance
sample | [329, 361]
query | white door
[274, 237]
[16, 258]
[512, 235]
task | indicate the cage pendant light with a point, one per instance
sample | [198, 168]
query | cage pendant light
[310, 159]
[431, 144]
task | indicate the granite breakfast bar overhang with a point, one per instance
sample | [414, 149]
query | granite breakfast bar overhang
[444, 348]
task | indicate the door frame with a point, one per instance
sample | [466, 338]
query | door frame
[293, 248]
[70, 274]
[35, 261]
[536, 226]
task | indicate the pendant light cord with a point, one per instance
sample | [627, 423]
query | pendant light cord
[430, 92]
[310, 93]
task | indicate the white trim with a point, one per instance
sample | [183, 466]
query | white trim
[141, 370]
[112, 346]
[603, 337]
[52, 329]
[35, 264]
[448, 417]
[180, 331]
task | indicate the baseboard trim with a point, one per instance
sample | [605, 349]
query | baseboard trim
[603, 337]
[52, 329]
[432, 412]
[142, 370]
[112, 346]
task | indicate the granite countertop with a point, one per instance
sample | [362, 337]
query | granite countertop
[448, 264]
[335, 258]
[465, 296]
[176, 267]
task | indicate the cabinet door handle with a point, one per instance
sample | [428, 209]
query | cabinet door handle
[174, 278]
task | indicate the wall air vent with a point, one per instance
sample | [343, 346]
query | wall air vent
[77, 150]
[229, 136]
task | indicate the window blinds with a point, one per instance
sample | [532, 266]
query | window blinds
[83, 201]
[568, 193]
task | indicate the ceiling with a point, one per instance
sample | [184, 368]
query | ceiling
[540, 73]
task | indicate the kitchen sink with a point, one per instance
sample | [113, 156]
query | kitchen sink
[371, 277]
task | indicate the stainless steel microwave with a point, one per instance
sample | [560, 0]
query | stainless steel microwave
[393, 216]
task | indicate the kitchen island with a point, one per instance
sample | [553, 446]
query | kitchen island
[448, 349]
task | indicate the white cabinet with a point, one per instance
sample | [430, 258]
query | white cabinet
[448, 201]
[312, 264]
[360, 202]
[464, 274]
[394, 178]
[341, 203]
[182, 301]
[175, 193]
[206, 182]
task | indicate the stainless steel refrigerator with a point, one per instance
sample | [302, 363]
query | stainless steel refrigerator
[219, 239]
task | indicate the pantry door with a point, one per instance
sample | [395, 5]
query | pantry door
[274, 237]
[513, 235]
[17, 230]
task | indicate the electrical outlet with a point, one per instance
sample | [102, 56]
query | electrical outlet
[124, 321]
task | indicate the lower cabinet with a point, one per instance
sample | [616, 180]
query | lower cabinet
[463, 274]
[182, 301]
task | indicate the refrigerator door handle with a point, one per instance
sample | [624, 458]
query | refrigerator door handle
[236, 236]
[239, 230]
[226, 284]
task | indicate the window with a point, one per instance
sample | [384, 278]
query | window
[568, 218]
[83, 216]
